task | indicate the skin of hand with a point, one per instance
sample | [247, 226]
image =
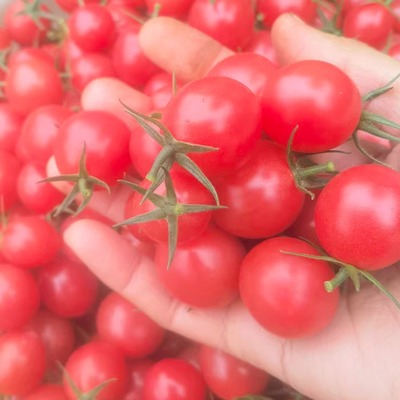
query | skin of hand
[358, 356]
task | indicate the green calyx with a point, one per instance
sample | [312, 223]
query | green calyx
[83, 184]
[167, 208]
[307, 174]
[172, 151]
[372, 123]
[346, 271]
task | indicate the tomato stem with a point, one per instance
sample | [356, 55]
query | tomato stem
[337, 281]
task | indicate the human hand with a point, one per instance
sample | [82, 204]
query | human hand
[357, 356]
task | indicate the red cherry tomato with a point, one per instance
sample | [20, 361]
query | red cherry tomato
[357, 216]
[285, 293]
[47, 392]
[311, 94]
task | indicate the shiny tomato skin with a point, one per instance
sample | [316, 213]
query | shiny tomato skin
[93, 364]
[262, 198]
[317, 97]
[10, 127]
[285, 293]
[173, 379]
[20, 297]
[107, 145]
[9, 169]
[271, 9]
[230, 22]
[219, 112]
[250, 69]
[31, 84]
[371, 23]
[123, 325]
[30, 241]
[22, 362]
[204, 271]
[357, 216]
[229, 377]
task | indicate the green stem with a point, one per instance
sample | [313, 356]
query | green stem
[339, 278]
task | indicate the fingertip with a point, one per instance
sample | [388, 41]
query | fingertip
[115, 264]
[177, 47]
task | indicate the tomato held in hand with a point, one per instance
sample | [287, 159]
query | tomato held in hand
[318, 97]
[285, 293]
[219, 112]
[107, 145]
[228, 377]
[357, 216]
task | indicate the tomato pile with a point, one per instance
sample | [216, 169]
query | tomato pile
[225, 195]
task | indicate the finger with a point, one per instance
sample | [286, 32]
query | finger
[177, 47]
[367, 67]
[125, 271]
[300, 362]
[106, 94]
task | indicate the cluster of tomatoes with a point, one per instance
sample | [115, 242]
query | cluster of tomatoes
[222, 178]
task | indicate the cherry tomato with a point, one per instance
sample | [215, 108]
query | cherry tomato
[39, 132]
[91, 27]
[271, 9]
[22, 28]
[94, 364]
[30, 241]
[22, 362]
[67, 288]
[228, 377]
[250, 69]
[219, 112]
[261, 43]
[173, 379]
[20, 297]
[262, 198]
[204, 271]
[370, 23]
[137, 370]
[57, 335]
[285, 293]
[10, 127]
[107, 144]
[230, 22]
[122, 324]
[311, 94]
[357, 216]
[31, 84]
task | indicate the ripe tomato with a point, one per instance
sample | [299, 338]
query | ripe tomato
[31, 84]
[9, 169]
[204, 271]
[91, 27]
[219, 112]
[22, 362]
[250, 69]
[230, 22]
[271, 9]
[137, 370]
[173, 379]
[123, 325]
[228, 377]
[67, 288]
[10, 127]
[22, 28]
[311, 94]
[357, 216]
[94, 364]
[20, 297]
[262, 198]
[57, 335]
[107, 145]
[370, 23]
[285, 293]
[30, 241]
